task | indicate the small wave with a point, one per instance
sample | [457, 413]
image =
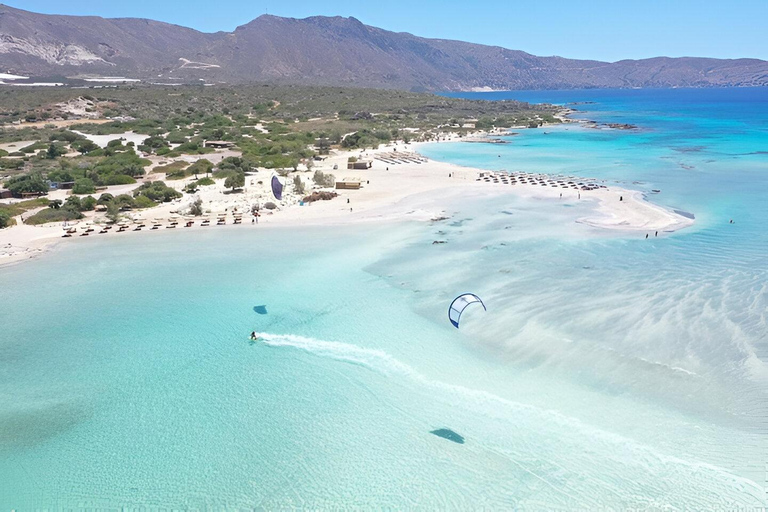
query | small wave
[530, 420]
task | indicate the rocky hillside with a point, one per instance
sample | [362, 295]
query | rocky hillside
[324, 51]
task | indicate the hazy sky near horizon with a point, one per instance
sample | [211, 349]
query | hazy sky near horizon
[598, 29]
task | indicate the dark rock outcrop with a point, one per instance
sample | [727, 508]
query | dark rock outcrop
[319, 196]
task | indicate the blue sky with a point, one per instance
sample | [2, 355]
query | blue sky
[597, 29]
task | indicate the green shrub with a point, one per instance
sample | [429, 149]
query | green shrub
[298, 185]
[143, 202]
[174, 170]
[176, 137]
[65, 136]
[34, 148]
[235, 181]
[126, 162]
[11, 163]
[5, 219]
[88, 204]
[157, 191]
[105, 198]
[202, 182]
[324, 180]
[118, 179]
[72, 202]
[85, 146]
[50, 215]
[123, 201]
[196, 208]
[34, 182]
[84, 186]
[193, 148]
[202, 166]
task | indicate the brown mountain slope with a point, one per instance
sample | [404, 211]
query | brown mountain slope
[328, 51]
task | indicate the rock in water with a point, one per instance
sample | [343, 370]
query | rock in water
[448, 434]
[262, 310]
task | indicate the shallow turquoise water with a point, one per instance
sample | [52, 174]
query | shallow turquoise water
[609, 370]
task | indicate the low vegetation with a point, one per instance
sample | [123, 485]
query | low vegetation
[50, 215]
[157, 192]
[274, 127]
[322, 179]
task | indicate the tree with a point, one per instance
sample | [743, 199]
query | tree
[143, 202]
[105, 198]
[153, 143]
[298, 185]
[235, 181]
[5, 219]
[55, 204]
[84, 186]
[201, 166]
[84, 146]
[54, 151]
[322, 179]
[157, 191]
[27, 183]
[123, 201]
[196, 208]
[113, 212]
[73, 203]
[87, 204]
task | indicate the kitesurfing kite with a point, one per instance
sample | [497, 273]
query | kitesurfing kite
[277, 187]
[461, 303]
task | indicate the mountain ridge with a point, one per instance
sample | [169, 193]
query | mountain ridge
[322, 50]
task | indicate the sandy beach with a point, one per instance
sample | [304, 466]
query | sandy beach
[415, 189]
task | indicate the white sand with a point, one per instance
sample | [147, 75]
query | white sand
[8, 76]
[405, 191]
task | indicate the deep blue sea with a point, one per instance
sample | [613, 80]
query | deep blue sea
[609, 371]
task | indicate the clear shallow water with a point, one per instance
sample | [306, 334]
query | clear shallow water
[608, 371]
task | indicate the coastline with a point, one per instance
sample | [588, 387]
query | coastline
[416, 189]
